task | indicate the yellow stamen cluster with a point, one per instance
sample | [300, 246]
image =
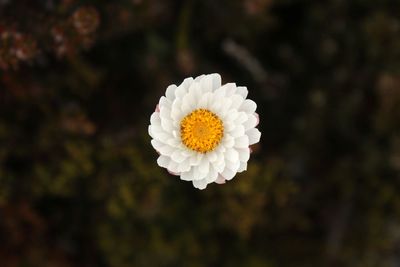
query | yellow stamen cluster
[201, 130]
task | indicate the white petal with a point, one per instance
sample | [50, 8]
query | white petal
[157, 144]
[258, 118]
[165, 113]
[254, 136]
[206, 84]
[176, 115]
[176, 110]
[174, 173]
[210, 82]
[187, 152]
[230, 89]
[150, 131]
[219, 93]
[231, 116]
[156, 128]
[248, 106]
[243, 167]
[196, 159]
[220, 180]
[204, 165]
[219, 165]
[187, 106]
[186, 82]
[184, 166]
[228, 174]
[158, 134]
[200, 184]
[224, 109]
[238, 131]
[232, 155]
[155, 118]
[228, 141]
[229, 126]
[178, 156]
[197, 174]
[180, 92]
[166, 150]
[251, 122]
[165, 102]
[183, 87]
[167, 125]
[216, 81]
[189, 100]
[242, 90]
[242, 117]
[233, 165]
[242, 141]
[237, 101]
[197, 91]
[174, 142]
[199, 78]
[203, 101]
[163, 161]
[215, 104]
[244, 154]
[212, 175]
[187, 176]
[173, 167]
[170, 92]
[220, 150]
[211, 156]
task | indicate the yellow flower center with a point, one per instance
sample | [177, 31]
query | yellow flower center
[201, 130]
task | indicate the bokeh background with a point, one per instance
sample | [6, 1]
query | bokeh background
[79, 183]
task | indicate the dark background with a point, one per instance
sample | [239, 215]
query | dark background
[79, 183]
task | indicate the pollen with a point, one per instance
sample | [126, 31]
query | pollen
[201, 130]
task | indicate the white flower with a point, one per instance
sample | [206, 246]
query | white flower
[202, 130]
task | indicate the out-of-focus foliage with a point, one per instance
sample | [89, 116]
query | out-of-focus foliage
[79, 183]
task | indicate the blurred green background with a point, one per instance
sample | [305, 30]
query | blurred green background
[79, 183]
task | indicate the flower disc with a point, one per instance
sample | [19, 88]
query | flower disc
[201, 130]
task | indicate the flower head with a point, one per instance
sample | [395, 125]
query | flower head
[202, 130]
